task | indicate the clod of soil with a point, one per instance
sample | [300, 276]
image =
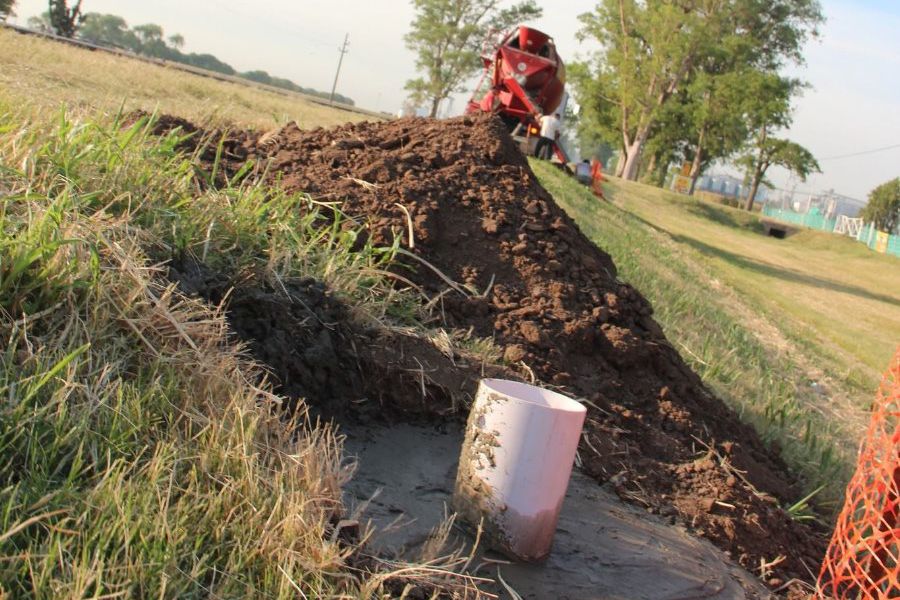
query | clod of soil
[551, 298]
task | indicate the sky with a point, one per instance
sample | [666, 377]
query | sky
[853, 104]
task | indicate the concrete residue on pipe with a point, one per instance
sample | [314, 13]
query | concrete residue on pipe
[515, 463]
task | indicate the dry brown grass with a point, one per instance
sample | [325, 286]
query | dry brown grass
[47, 74]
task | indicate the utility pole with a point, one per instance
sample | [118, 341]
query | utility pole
[343, 50]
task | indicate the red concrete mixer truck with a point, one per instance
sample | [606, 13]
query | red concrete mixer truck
[524, 78]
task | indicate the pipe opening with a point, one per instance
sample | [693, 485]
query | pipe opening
[534, 395]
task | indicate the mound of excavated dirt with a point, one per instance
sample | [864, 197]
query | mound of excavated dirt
[551, 298]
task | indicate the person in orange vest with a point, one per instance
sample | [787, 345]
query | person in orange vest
[597, 177]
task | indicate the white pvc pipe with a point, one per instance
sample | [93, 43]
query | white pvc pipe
[515, 465]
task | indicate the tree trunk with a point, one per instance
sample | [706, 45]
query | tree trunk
[698, 160]
[661, 171]
[759, 168]
[632, 160]
[693, 185]
[435, 105]
[630, 168]
[754, 186]
[620, 163]
[650, 171]
[633, 154]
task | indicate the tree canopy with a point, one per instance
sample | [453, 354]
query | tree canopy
[446, 36]
[65, 20]
[149, 39]
[108, 30]
[771, 151]
[673, 79]
[768, 111]
[6, 9]
[649, 49]
[883, 209]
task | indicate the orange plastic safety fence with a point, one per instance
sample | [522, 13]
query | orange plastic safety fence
[863, 558]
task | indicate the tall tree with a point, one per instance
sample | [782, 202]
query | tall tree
[727, 107]
[149, 33]
[883, 208]
[743, 93]
[648, 50]
[6, 9]
[767, 110]
[108, 30]
[446, 36]
[652, 49]
[770, 151]
[153, 41]
[176, 40]
[65, 20]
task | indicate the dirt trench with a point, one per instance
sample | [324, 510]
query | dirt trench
[315, 351]
[527, 277]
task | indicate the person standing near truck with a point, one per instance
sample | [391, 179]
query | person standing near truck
[550, 125]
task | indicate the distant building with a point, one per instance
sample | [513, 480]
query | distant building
[729, 186]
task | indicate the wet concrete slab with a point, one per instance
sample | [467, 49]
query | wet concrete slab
[603, 550]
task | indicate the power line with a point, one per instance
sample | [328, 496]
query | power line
[872, 151]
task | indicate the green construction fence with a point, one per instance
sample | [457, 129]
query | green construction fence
[816, 220]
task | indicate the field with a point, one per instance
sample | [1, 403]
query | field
[827, 293]
[50, 75]
[795, 332]
[127, 253]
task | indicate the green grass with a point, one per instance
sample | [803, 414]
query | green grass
[139, 454]
[754, 316]
[826, 292]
